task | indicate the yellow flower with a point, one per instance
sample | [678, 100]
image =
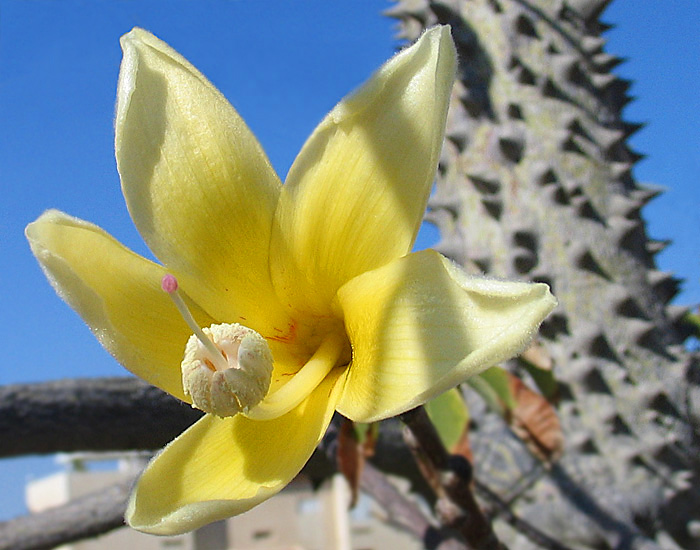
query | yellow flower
[320, 267]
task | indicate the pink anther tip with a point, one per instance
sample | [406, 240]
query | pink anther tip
[168, 283]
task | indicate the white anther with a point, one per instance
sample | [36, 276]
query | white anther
[242, 384]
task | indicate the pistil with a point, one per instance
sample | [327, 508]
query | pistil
[169, 284]
[227, 368]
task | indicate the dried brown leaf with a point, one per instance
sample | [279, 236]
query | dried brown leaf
[356, 443]
[535, 421]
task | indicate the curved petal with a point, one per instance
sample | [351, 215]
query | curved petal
[355, 196]
[118, 295]
[198, 185]
[222, 467]
[420, 325]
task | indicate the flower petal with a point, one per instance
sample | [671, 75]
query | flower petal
[198, 185]
[355, 196]
[420, 325]
[222, 467]
[118, 294]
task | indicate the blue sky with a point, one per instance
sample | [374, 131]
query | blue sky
[283, 65]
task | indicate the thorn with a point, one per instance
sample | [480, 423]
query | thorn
[525, 26]
[592, 44]
[608, 139]
[654, 246]
[494, 206]
[589, 10]
[620, 171]
[564, 66]
[585, 209]
[664, 284]
[623, 206]
[458, 132]
[645, 192]
[583, 259]
[523, 260]
[606, 62]
[603, 81]
[629, 307]
[550, 89]
[543, 173]
[515, 112]
[415, 8]
[572, 144]
[631, 128]
[525, 76]
[512, 145]
[485, 182]
[626, 232]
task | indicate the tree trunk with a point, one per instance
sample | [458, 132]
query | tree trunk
[536, 183]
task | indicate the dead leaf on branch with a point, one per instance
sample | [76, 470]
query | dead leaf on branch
[450, 416]
[356, 443]
[535, 421]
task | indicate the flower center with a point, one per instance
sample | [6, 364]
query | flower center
[227, 368]
[226, 390]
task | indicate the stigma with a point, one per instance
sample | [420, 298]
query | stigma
[227, 368]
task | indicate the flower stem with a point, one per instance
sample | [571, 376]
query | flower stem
[451, 477]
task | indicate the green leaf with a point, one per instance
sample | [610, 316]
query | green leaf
[544, 380]
[538, 363]
[450, 415]
[494, 386]
[694, 320]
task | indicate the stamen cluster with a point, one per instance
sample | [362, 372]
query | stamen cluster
[244, 380]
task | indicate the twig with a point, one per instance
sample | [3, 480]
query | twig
[128, 414]
[89, 516]
[541, 539]
[103, 511]
[450, 476]
[403, 513]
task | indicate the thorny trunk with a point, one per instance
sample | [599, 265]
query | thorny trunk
[536, 182]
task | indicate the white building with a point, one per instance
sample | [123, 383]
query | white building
[296, 519]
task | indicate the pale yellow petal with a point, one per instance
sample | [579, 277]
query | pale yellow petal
[118, 295]
[197, 183]
[222, 467]
[355, 196]
[420, 325]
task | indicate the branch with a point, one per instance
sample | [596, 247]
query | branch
[450, 476]
[113, 414]
[103, 511]
[82, 518]
[403, 513]
[502, 508]
[97, 414]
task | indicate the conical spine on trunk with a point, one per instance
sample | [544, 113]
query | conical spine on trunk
[536, 182]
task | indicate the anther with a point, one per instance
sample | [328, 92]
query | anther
[227, 368]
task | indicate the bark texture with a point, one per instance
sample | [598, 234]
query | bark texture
[95, 414]
[85, 517]
[536, 182]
